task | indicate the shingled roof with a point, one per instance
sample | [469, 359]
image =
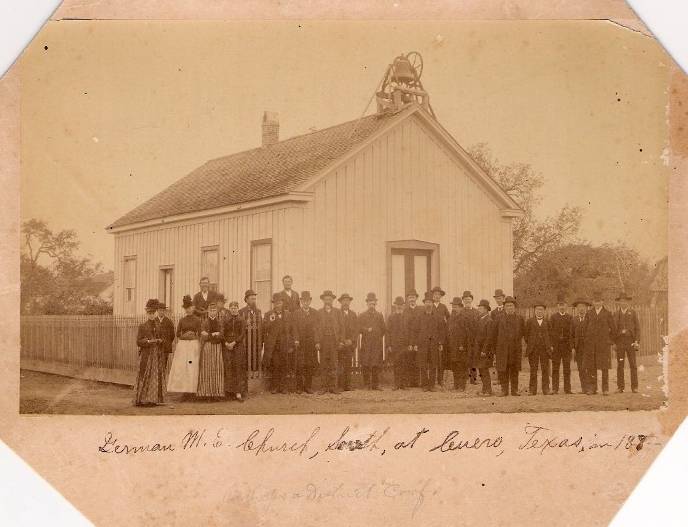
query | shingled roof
[256, 174]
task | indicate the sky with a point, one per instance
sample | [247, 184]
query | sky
[115, 111]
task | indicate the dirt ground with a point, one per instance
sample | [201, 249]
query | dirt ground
[52, 394]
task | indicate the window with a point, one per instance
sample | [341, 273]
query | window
[129, 283]
[261, 272]
[166, 288]
[210, 266]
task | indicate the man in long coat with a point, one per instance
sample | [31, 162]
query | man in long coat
[538, 349]
[329, 338]
[561, 333]
[254, 328]
[577, 325]
[483, 346]
[397, 344]
[429, 340]
[442, 312]
[409, 319]
[459, 343]
[598, 332]
[471, 315]
[371, 325]
[277, 331]
[290, 298]
[499, 298]
[627, 342]
[305, 320]
[348, 349]
[510, 330]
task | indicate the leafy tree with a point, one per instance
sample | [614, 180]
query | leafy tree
[532, 237]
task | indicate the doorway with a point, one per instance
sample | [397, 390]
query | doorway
[412, 264]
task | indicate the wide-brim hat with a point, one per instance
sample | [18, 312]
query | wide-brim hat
[344, 296]
[438, 289]
[540, 303]
[456, 301]
[412, 292]
[467, 294]
[306, 295]
[510, 300]
[428, 296]
[580, 301]
[186, 301]
[498, 292]
[485, 303]
[327, 293]
[399, 301]
[371, 297]
[152, 304]
[249, 292]
[624, 296]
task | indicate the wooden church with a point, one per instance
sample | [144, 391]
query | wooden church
[384, 203]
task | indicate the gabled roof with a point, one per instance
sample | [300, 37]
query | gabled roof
[258, 173]
[287, 168]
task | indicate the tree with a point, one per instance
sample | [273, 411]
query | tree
[532, 237]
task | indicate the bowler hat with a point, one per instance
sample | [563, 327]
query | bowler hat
[580, 301]
[161, 305]
[456, 301]
[152, 304]
[399, 301]
[344, 296]
[249, 292]
[498, 292]
[467, 294]
[306, 295]
[276, 297]
[485, 303]
[412, 292]
[186, 301]
[510, 300]
[437, 289]
[327, 293]
[624, 296]
[540, 303]
[370, 297]
[428, 296]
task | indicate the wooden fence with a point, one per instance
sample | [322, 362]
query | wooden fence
[104, 347]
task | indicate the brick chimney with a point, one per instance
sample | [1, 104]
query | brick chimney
[270, 128]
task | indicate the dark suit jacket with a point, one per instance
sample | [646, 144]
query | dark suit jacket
[483, 342]
[305, 323]
[200, 303]
[561, 329]
[577, 326]
[537, 336]
[599, 333]
[510, 332]
[410, 319]
[459, 336]
[330, 324]
[167, 334]
[290, 302]
[627, 325]
[430, 333]
[277, 329]
[372, 328]
[350, 327]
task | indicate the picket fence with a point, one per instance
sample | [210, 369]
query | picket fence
[103, 347]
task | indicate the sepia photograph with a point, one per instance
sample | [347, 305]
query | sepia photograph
[343, 217]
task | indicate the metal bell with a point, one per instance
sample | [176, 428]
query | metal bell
[402, 71]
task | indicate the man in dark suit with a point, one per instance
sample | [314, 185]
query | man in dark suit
[483, 345]
[409, 318]
[560, 325]
[458, 345]
[278, 333]
[346, 352]
[305, 320]
[167, 332]
[538, 349]
[429, 342]
[442, 312]
[627, 342]
[253, 318]
[510, 331]
[599, 333]
[499, 298]
[329, 338]
[577, 325]
[397, 344]
[371, 325]
[290, 298]
[203, 297]
[471, 316]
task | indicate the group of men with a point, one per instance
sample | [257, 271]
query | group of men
[421, 342]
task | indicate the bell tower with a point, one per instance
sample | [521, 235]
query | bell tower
[401, 84]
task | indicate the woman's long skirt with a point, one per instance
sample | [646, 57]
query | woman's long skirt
[150, 381]
[185, 367]
[211, 377]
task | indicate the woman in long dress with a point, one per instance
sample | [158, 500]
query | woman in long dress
[234, 355]
[211, 378]
[184, 370]
[149, 389]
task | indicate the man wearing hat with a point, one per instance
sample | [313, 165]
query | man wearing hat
[471, 315]
[371, 325]
[510, 331]
[561, 328]
[627, 342]
[577, 324]
[254, 328]
[397, 344]
[459, 346]
[538, 349]
[290, 298]
[599, 333]
[443, 313]
[429, 340]
[277, 334]
[483, 346]
[305, 320]
[499, 298]
[409, 318]
[346, 352]
[329, 338]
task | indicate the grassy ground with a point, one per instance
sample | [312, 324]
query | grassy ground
[53, 394]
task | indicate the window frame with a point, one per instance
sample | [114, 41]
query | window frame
[252, 266]
[214, 286]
